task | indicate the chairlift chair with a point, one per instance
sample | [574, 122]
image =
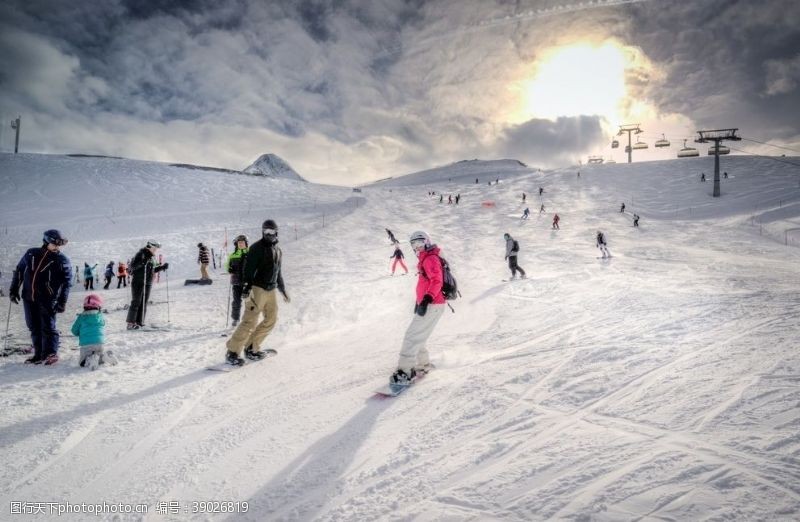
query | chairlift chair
[663, 142]
[722, 150]
[639, 145]
[615, 144]
[687, 152]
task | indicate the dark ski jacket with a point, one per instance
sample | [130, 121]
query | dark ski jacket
[45, 277]
[398, 254]
[236, 264]
[142, 267]
[263, 266]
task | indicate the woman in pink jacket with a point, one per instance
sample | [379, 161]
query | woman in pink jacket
[429, 307]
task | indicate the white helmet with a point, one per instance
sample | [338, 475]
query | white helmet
[419, 240]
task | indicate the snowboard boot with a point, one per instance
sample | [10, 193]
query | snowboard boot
[108, 358]
[33, 360]
[233, 359]
[254, 355]
[133, 326]
[51, 359]
[402, 378]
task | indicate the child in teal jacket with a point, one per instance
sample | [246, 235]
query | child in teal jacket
[88, 328]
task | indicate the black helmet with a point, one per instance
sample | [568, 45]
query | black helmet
[269, 231]
[241, 237]
[53, 237]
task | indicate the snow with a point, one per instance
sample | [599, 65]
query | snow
[662, 384]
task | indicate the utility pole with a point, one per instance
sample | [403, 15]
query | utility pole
[707, 136]
[633, 127]
[16, 124]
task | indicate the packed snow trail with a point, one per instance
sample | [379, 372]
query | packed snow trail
[662, 383]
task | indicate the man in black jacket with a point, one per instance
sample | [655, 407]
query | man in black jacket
[42, 281]
[142, 268]
[262, 276]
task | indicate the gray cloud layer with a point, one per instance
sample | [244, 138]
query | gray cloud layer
[348, 90]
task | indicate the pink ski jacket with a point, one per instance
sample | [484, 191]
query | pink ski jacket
[429, 269]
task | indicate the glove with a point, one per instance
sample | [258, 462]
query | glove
[165, 266]
[61, 308]
[14, 296]
[245, 292]
[286, 298]
[422, 307]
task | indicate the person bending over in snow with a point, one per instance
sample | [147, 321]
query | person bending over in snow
[262, 277]
[512, 251]
[236, 262]
[88, 328]
[601, 244]
[428, 309]
[142, 268]
[42, 280]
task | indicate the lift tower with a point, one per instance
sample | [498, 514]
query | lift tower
[716, 136]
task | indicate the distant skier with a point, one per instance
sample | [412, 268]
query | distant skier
[512, 251]
[235, 267]
[42, 280]
[476, 181]
[428, 309]
[109, 274]
[458, 198]
[526, 213]
[601, 244]
[556, 219]
[88, 276]
[524, 196]
[142, 268]
[450, 199]
[541, 209]
[262, 277]
[391, 237]
[88, 328]
[203, 259]
[579, 174]
[636, 220]
[441, 198]
[398, 258]
[122, 274]
[622, 208]
[725, 175]
[703, 177]
[541, 190]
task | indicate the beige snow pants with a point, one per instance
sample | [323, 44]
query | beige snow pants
[250, 330]
[414, 353]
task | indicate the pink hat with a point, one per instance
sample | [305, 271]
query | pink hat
[92, 301]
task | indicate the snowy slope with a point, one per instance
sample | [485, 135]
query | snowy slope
[465, 171]
[662, 384]
[273, 166]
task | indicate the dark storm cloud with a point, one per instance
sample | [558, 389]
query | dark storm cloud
[348, 88]
[546, 143]
[727, 63]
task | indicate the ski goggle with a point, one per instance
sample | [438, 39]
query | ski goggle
[153, 244]
[57, 242]
[417, 244]
[270, 232]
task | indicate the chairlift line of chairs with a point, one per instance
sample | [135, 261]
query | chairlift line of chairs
[687, 152]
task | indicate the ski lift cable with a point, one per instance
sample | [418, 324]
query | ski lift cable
[771, 145]
[765, 157]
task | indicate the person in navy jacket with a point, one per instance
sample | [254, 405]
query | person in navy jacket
[42, 280]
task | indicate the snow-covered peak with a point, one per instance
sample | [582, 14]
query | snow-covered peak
[273, 166]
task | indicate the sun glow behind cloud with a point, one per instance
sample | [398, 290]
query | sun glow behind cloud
[574, 80]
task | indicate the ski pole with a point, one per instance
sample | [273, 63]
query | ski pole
[166, 281]
[228, 307]
[8, 319]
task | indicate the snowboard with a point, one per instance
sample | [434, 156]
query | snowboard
[393, 390]
[225, 367]
[197, 282]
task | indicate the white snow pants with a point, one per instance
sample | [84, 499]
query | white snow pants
[414, 353]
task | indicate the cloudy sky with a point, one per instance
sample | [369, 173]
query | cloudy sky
[349, 91]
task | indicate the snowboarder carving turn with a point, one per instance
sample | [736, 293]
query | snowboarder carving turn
[428, 309]
[601, 244]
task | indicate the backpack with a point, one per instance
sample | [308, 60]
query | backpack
[449, 284]
[515, 248]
